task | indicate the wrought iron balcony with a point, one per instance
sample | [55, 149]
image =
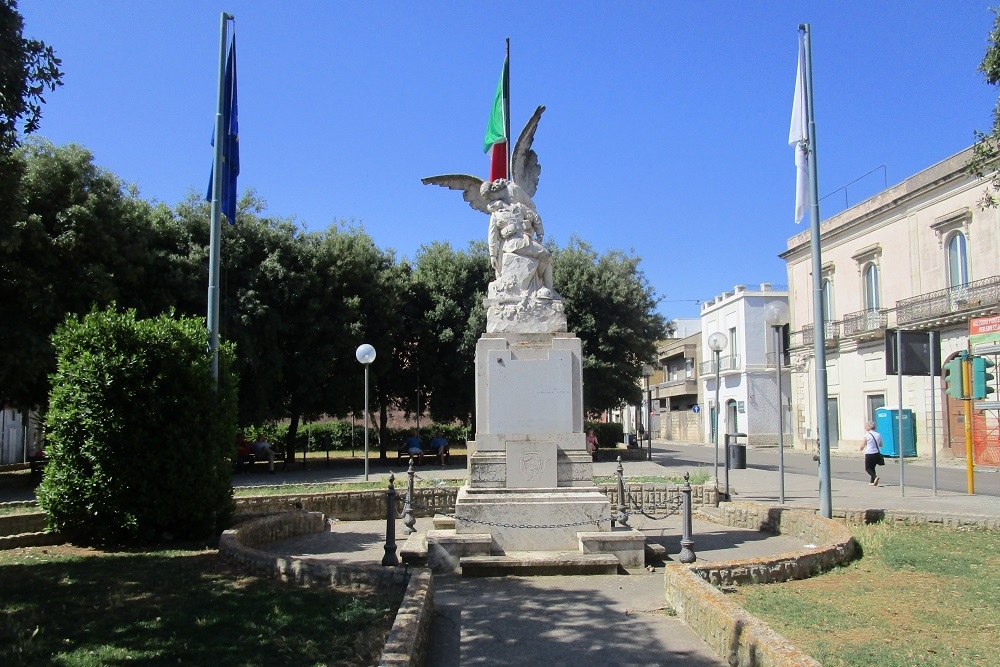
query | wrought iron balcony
[865, 322]
[727, 363]
[832, 330]
[950, 303]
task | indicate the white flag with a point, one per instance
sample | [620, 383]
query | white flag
[798, 137]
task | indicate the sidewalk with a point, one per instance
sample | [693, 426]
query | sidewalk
[756, 484]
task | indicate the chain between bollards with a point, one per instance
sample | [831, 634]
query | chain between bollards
[622, 515]
[409, 521]
[687, 544]
[390, 558]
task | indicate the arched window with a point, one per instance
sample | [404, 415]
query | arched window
[958, 264]
[873, 297]
[828, 309]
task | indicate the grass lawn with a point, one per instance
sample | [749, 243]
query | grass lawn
[918, 596]
[69, 606]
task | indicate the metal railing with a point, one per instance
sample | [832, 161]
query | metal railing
[949, 301]
[727, 362]
[770, 359]
[865, 321]
[832, 330]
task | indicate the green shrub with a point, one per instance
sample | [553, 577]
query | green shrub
[608, 434]
[336, 435]
[139, 441]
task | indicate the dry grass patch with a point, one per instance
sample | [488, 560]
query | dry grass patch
[918, 596]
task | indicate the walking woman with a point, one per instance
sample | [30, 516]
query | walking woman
[872, 447]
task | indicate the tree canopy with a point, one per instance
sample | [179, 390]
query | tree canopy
[611, 306]
[27, 69]
[986, 150]
[295, 304]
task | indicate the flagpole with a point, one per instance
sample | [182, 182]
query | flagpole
[216, 220]
[819, 331]
[506, 112]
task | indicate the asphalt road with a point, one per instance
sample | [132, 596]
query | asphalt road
[951, 475]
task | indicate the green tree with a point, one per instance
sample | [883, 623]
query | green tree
[139, 440]
[986, 150]
[611, 306]
[76, 237]
[27, 68]
[451, 286]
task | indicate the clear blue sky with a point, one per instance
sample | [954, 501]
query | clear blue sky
[665, 131]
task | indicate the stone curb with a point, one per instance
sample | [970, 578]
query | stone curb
[409, 636]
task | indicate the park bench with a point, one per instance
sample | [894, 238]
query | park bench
[402, 452]
[248, 460]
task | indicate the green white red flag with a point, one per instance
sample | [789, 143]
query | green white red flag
[496, 130]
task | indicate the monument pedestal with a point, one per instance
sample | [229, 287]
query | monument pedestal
[530, 476]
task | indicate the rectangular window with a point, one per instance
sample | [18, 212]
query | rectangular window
[732, 345]
[875, 401]
[833, 422]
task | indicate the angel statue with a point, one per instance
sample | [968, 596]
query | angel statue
[521, 298]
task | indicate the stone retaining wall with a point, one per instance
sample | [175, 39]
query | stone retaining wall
[350, 505]
[370, 505]
[30, 522]
[735, 635]
[410, 634]
[834, 546]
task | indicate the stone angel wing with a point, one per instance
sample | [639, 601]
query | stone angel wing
[469, 185]
[524, 165]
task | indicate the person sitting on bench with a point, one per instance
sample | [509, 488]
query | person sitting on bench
[414, 447]
[440, 446]
[262, 448]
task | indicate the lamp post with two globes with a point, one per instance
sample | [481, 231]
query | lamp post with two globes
[366, 355]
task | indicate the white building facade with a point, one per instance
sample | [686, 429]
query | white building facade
[748, 399]
[920, 256]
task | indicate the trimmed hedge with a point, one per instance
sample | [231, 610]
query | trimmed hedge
[138, 437]
[336, 435]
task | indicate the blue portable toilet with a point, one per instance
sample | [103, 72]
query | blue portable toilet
[887, 424]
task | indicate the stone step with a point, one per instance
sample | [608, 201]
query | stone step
[443, 522]
[536, 563]
[414, 550]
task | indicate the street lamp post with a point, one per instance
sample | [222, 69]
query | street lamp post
[366, 355]
[776, 316]
[717, 343]
[647, 372]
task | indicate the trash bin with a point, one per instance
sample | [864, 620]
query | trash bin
[632, 441]
[737, 451]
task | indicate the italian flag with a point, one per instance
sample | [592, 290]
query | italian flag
[496, 131]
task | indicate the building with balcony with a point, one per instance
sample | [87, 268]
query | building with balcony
[679, 389]
[919, 256]
[747, 370]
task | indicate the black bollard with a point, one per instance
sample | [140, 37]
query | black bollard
[687, 544]
[409, 521]
[622, 515]
[390, 558]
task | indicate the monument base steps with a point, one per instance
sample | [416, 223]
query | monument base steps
[539, 563]
[444, 550]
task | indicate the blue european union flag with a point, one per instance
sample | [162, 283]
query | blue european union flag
[230, 141]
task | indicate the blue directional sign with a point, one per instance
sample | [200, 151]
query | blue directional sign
[696, 409]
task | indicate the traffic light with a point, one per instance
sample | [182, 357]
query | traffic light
[953, 377]
[981, 378]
